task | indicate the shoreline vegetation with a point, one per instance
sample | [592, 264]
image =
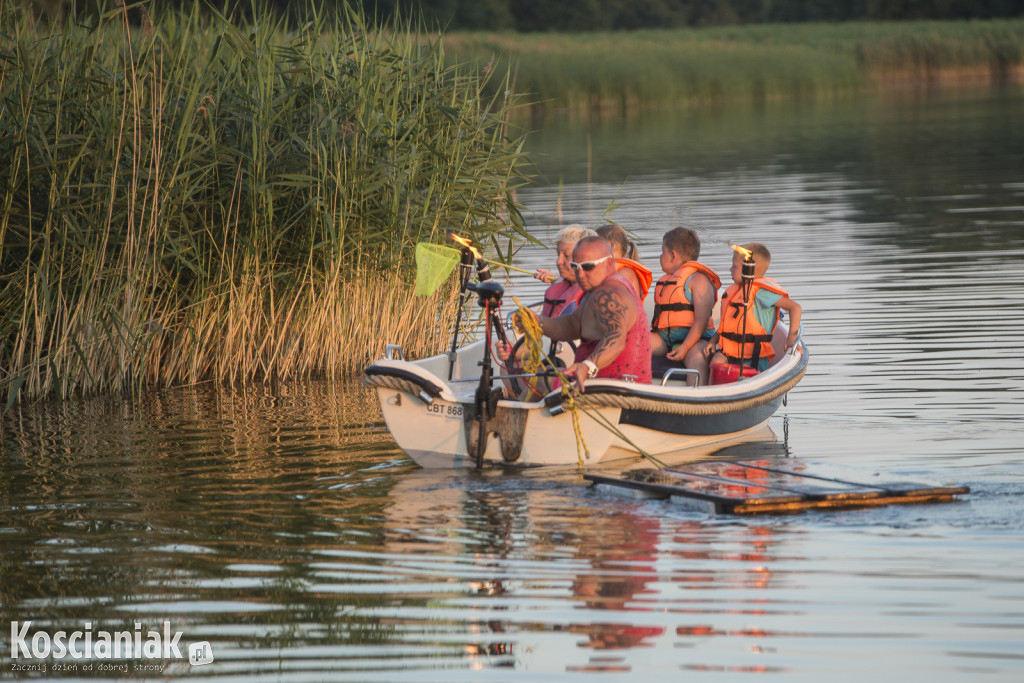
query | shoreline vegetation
[187, 200]
[587, 74]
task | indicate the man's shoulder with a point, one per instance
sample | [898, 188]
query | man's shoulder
[615, 291]
[617, 283]
[616, 299]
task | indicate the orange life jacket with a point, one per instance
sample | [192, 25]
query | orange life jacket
[642, 274]
[671, 307]
[756, 342]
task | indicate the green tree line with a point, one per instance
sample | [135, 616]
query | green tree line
[613, 15]
[596, 15]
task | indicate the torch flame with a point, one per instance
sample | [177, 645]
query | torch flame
[746, 252]
[466, 243]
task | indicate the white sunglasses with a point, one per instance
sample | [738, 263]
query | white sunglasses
[587, 266]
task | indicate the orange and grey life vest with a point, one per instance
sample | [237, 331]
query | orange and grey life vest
[753, 342]
[559, 295]
[671, 307]
[643, 274]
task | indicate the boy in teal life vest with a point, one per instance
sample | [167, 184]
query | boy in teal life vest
[684, 300]
[746, 335]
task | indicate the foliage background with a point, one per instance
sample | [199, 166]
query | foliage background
[196, 198]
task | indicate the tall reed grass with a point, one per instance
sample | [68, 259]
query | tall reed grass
[195, 200]
[655, 68]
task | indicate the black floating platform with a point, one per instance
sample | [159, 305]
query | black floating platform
[768, 486]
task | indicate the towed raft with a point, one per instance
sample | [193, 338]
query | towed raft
[463, 420]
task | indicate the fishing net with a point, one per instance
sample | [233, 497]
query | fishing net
[434, 263]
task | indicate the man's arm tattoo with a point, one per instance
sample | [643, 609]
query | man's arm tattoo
[612, 309]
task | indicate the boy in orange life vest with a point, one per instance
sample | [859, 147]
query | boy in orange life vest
[683, 302]
[766, 298]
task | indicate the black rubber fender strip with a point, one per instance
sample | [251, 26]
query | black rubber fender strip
[433, 390]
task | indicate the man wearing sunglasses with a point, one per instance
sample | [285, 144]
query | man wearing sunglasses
[609, 321]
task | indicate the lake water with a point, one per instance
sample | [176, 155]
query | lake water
[282, 526]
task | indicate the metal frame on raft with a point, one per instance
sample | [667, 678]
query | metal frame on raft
[761, 487]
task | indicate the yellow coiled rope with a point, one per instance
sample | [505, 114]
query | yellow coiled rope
[533, 362]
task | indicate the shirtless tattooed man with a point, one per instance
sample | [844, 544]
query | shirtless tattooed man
[609, 321]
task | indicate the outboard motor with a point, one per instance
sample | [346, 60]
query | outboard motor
[488, 291]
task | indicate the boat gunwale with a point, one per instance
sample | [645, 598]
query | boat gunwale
[758, 385]
[657, 392]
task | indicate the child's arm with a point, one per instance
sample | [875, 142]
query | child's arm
[794, 310]
[712, 344]
[703, 301]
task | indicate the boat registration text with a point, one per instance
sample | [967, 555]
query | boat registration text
[445, 410]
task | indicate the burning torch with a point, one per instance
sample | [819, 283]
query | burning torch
[748, 270]
[747, 276]
[490, 296]
[483, 269]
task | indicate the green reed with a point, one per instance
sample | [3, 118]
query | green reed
[193, 200]
[628, 70]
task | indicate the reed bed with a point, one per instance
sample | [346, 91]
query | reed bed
[651, 68]
[190, 200]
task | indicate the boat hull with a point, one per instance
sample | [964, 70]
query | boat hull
[700, 425]
[443, 433]
[434, 419]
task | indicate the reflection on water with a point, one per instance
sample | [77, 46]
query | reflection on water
[282, 525]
